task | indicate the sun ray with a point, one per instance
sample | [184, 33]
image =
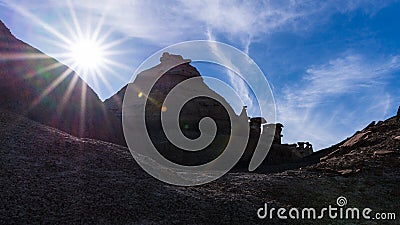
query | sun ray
[43, 70]
[20, 56]
[117, 64]
[115, 43]
[105, 81]
[74, 19]
[38, 21]
[70, 29]
[113, 73]
[88, 50]
[96, 32]
[95, 79]
[108, 86]
[82, 117]
[68, 93]
[100, 24]
[51, 87]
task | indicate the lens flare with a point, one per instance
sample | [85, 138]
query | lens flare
[87, 54]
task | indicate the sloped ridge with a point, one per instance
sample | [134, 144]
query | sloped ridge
[377, 144]
[43, 89]
[114, 103]
[4, 31]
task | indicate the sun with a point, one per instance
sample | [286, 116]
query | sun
[87, 54]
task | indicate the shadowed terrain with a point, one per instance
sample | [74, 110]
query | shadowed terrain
[50, 176]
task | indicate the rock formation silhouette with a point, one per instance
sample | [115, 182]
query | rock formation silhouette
[194, 111]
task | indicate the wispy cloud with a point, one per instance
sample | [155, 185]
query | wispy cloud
[235, 80]
[315, 107]
[166, 22]
[340, 76]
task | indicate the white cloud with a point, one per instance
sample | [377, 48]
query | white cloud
[342, 75]
[241, 18]
[237, 83]
[317, 108]
[167, 22]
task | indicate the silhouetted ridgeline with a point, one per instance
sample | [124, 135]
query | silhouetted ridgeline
[41, 88]
[196, 109]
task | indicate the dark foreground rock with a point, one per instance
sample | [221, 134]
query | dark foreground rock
[48, 176]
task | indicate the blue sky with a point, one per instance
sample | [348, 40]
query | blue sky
[333, 66]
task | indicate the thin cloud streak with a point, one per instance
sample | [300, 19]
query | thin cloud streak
[235, 80]
[339, 76]
[313, 108]
[243, 21]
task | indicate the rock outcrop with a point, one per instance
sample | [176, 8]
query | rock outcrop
[364, 149]
[194, 111]
[174, 71]
[114, 103]
[43, 89]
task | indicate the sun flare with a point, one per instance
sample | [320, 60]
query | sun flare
[87, 54]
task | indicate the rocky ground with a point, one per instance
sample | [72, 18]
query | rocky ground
[48, 176]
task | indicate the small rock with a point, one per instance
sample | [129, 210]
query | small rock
[356, 139]
[343, 172]
[347, 172]
[383, 152]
